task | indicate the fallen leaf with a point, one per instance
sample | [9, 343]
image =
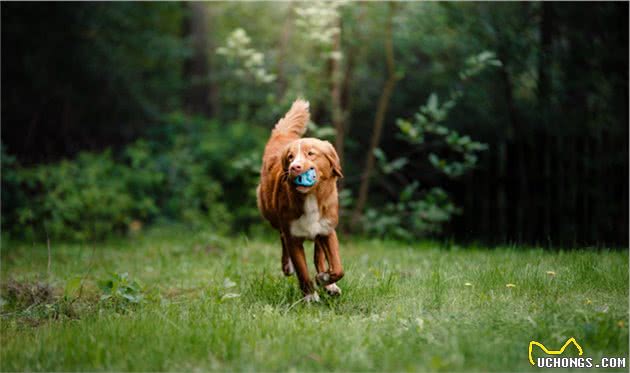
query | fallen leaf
[230, 295]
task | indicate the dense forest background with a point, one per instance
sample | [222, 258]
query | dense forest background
[498, 122]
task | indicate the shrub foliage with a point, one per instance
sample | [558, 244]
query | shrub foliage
[172, 176]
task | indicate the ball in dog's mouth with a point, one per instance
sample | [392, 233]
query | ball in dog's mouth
[305, 180]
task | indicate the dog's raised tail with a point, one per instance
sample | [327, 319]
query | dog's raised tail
[296, 119]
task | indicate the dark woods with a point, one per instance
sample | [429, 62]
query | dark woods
[558, 171]
[554, 114]
[86, 76]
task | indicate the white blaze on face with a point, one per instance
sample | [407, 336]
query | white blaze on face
[298, 156]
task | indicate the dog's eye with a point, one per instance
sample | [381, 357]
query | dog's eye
[311, 153]
[290, 157]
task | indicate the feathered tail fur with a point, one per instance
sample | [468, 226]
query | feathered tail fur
[295, 120]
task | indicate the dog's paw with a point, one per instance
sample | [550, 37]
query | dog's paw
[333, 290]
[322, 278]
[288, 269]
[311, 298]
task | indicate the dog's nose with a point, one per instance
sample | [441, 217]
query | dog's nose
[296, 168]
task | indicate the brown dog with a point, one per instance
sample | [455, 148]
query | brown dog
[302, 212]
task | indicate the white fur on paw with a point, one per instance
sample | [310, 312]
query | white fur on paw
[333, 289]
[323, 278]
[313, 297]
[288, 268]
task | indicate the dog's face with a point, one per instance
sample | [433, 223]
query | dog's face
[308, 153]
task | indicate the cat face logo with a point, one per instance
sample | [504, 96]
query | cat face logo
[553, 352]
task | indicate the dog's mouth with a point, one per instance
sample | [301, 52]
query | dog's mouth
[306, 180]
[303, 189]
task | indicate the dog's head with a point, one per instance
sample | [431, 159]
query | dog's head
[306, 154]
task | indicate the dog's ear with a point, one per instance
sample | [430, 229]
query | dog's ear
[333, 158]
[284, 158]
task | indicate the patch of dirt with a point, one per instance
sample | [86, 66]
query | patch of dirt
[208, 249]
[26, 294]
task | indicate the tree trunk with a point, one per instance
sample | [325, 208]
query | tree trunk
[215, 99]
[518, 151]
[336, 80]
[599, 195]
[586, 190]
[560, 188]
[501, 193]
[575, 187]
[379, 120]
[346, 98]
[544, 94]
[285, 38]
[196, 69]
[353, 53]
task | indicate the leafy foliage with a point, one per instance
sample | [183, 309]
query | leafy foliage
[552, 107]
[426, 124]
[120, 291]
[95, 74]
[317, 20]
[175, 178]
[244, 59]
[419, 213]
[411, 217]
[209, 166]
[88, 197]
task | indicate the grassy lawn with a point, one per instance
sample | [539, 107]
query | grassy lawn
[212, 303]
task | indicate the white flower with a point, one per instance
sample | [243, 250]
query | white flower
[257, 58]
[420, 322]
[227, 283]
[245, 61]
[336, 55]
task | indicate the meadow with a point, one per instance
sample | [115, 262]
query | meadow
[175, 300]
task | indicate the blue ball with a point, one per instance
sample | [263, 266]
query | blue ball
[306, 179]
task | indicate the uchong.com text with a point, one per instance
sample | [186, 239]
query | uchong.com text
[580, 362]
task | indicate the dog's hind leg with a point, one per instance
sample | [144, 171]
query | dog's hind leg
[287, 264]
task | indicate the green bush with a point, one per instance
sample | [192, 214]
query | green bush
[410, 218]
[419, 213]
[211, 170]
[73, 199]
[189, 171]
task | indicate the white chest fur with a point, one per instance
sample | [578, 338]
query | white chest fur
[310, 224]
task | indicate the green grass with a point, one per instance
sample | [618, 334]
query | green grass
[404, 307]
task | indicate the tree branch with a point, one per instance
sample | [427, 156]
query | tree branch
[379, 118]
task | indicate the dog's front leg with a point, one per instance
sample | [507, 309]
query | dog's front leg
[319, 258]
[320, 265]
[330, 245]
[296, 252]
